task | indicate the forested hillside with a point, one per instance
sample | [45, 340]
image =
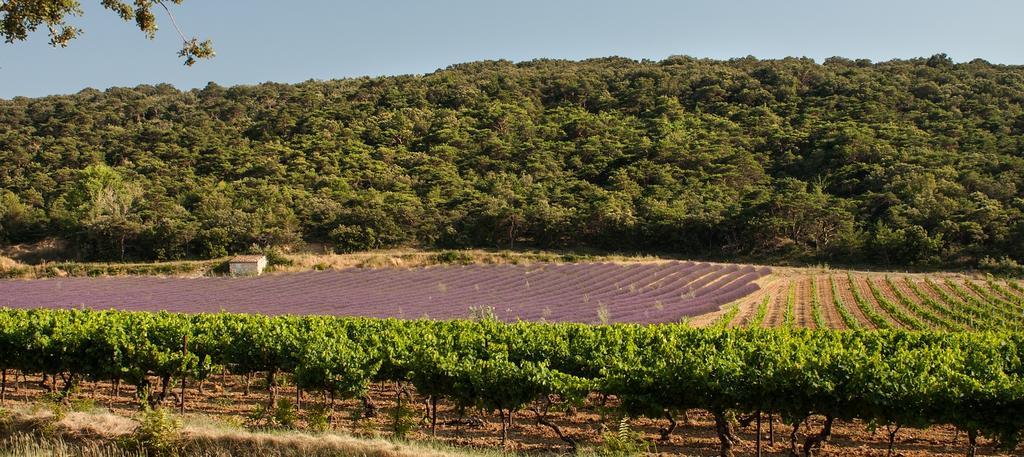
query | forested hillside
[917, 162]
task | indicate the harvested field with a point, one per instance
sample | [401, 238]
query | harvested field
[593, 292]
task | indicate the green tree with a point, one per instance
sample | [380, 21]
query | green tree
[19, 18]
[103, 206]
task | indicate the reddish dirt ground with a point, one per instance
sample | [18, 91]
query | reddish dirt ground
[804, 303]
[776, 316]
[828, 305]
[748, 308]
[851, 304]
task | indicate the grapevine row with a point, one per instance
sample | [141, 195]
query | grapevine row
[762, 312]
[961, 320]
[866, 308]
[978, 318]
[790, 316]
[844, 311]
[916, 308]
[819, 321]
[1016, 286]
[991, 312]
[993, 300]
[728, 316]
[1017, 300]
[894, 310]
[974, 381]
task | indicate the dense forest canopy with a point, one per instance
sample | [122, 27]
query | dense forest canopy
[910, 162]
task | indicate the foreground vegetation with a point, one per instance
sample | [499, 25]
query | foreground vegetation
[911, 162]
[974, 381]
[50, 430]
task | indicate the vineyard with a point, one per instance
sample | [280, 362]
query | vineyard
[973, 381]
[847, 300]
[649, 292]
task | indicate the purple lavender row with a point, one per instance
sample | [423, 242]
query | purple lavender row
[554, 293]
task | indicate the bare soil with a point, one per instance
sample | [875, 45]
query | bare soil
[804, 306]
[828, 305]
[748, 309]
[776, 316]
[847, 296]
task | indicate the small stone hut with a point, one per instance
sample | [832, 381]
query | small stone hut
[247, 265]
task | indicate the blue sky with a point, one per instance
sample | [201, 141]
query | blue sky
[290, 41]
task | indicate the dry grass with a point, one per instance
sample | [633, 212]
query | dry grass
[39, 431]
[27, 445]
[413, 258]
[819, 270]
[47, 250]
[11, 269]
[241, 442]
[7, 263]
[98, 424]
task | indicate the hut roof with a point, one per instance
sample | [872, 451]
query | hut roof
[247, 258]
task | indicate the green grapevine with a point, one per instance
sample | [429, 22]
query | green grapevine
[865, 307]
[844, 311]
[762, 312]
[790, 317]
[895, 311]
[819, 320]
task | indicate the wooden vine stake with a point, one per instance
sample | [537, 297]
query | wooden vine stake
[184, 353]
[757, 440]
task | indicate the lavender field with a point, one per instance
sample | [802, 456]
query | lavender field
[650, 292]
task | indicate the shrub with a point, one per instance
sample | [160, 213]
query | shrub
[285, 415]
[318, 418]
[623, 441]
[275, 256]
[157, 434]
[1005, 266]
[221, 268]
[453, 257]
